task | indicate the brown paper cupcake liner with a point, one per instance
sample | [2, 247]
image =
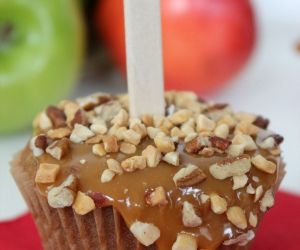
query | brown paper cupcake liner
[62, 229]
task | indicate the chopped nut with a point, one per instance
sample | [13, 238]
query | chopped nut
[177, 132]
[147, 120]
[59, 149]
[38, 145]
[133, 163]
[56, 116]
[47, 173]
[44, 121]
[261, 122]
[108, 110]
[267, 201]
[114, 166]
[263, 164]
[172, 158]
[98, 149]
[250, 189]
[94, 140]
[107, 175]
[58, 133]
[230, 167]
[195, 145]
[241, 240]
[278, 139]
[152, 155]
[255, 178]
[70, 109]
[127, 148]
[156, 197]
[247, 117]
[247, 128]
[164, 144]
[79, 118]
[187, 129]
[145, 233]
[189, 216]
[190, 137]
[218, 204]
[237, 217]
[189, 176]
[207, 152]
[275, 151]
[153, 132]
[91, 101]
[98, 198]
[99, 126]
[245, 140]
[132, 137]
[121, 118]
[252, 219]
[258, 193]
[82, 161]
[205, 124]
[134, 121]
[204, 198]
[222, 131]
[83, 204]
[180, 116]
[235, 150]
[63, 195]
[239, 181]
[140, 129]
[110, 143]
[229, 120]
[158, 120]
[59, 197]
[185, 242]
[268, 143]
[219, 143]
[119, 133]
[80, 133]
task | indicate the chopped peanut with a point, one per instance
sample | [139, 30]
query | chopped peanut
[152, 155]
[83, 204]
[237, 217]
[145, 233]
[133, 163]
[47, 173]
[218, 204]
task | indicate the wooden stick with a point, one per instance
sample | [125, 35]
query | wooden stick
[144, 57]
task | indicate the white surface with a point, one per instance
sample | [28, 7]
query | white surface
[269, 86]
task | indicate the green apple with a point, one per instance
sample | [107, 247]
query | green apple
[41, 49]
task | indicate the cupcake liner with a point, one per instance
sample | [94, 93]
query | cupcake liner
[62, 229]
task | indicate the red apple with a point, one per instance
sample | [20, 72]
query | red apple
[205, 42]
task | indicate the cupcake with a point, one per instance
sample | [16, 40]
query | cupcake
[200, 177]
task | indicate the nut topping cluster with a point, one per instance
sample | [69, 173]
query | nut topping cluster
[240, 143]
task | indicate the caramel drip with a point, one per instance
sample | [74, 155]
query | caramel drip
[126, 193]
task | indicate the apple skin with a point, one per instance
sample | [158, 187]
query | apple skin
[205, 42]
[40, 57]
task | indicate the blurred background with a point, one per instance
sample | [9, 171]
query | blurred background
[246, 53]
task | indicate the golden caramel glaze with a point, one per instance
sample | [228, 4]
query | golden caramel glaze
[127, 192]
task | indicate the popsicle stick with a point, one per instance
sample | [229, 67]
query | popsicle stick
[144, 56]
